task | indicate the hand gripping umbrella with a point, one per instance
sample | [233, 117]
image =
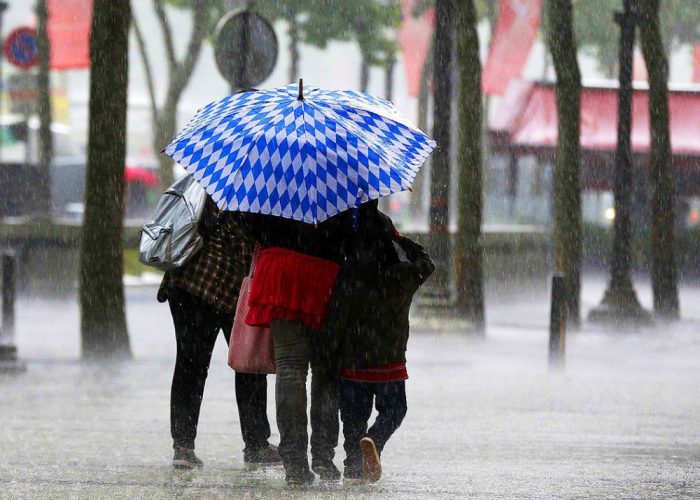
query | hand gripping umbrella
[300, 155]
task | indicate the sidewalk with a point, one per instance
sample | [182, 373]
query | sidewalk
[486, 418]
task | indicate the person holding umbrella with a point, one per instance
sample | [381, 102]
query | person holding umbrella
[290, 294]
[297, 162]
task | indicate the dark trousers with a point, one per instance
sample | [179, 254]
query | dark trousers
[297, 348]
[355, 409]
[197, 325]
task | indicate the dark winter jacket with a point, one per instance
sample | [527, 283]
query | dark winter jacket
[325, 240]
[368, 317]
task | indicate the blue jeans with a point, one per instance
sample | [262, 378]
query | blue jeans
[356, 400]
[296, 349]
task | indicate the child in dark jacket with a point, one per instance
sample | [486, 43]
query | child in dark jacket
[369, 315]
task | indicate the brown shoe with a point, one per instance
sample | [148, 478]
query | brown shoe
[372, 466]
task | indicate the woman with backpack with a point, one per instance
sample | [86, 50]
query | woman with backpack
[202, 295]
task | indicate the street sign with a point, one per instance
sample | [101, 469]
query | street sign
[246, 48]
[20, 48]
[22, 93]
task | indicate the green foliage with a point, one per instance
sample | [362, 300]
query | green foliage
[215, 8]
[132, 264]
[322, 21]
[485, 9]
[368, 22]
[597, 33]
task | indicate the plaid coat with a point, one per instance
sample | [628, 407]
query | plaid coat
[215, 273]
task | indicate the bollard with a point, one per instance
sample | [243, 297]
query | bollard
[8, 295]
[8, 351]
[557, 323]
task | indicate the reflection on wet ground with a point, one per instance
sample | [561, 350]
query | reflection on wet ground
[486, 418]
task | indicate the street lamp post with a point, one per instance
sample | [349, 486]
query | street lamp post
[3, 8]
[243, 42]
[620, 303]
[43, 109]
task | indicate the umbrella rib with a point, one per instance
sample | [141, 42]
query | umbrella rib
[312, 203]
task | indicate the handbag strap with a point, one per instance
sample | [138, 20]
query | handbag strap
[254, 259]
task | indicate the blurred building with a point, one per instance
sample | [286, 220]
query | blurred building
[336, 65]
[523, 139]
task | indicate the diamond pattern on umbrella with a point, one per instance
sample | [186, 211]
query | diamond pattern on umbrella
[271, 153]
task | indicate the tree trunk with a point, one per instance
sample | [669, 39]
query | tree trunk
[442, 119]
[389, 77]
[567, 184]
[469, 251]
[293, 48]
[418, 196]
[424, 93]
[385, 203]
[664, 278]
[364, 73]
[165, 129]
[44, 110]
[103, 319]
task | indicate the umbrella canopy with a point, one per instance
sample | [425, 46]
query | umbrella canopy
[300, 156]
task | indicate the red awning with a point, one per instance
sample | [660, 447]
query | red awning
[527, 119]
[415, 39]
[511, 44]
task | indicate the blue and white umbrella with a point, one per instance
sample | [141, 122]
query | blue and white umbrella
[304, 157]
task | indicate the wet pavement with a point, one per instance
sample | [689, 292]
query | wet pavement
[486, 419]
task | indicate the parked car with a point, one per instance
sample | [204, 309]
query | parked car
[68, 188]
[20, 176]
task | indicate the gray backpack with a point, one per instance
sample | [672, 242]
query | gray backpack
[172, 237]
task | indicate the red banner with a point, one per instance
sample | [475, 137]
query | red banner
[69, 33]
[639, 67]
[512, 40]
[414, 38]
[696, 63]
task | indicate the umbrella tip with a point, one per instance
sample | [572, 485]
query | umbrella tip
[301, 90]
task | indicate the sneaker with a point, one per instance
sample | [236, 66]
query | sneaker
[299, 476]
[325, 469]
[263, 456]
[371, 465]
[185, 459]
